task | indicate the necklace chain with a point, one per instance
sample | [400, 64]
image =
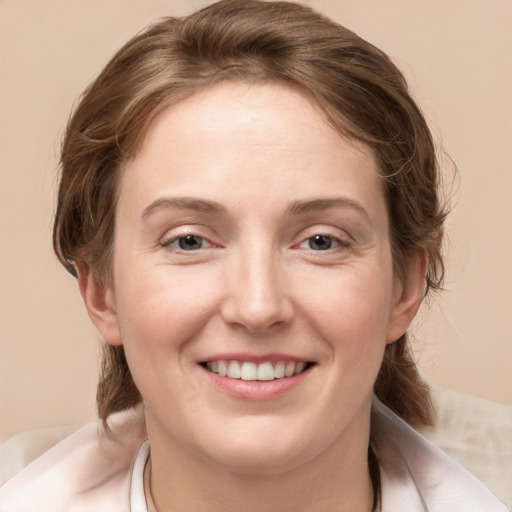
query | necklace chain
[372, 462]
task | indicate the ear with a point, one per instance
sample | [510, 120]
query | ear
[99, 301]
[408, 296]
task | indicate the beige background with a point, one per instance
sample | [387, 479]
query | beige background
[456, 54]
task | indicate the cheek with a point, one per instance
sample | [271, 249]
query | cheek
[351, 313]
[160, 313]
[161, 305]
[358, 302]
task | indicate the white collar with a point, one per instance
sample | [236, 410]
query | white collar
[138, 501]
[137, 494]
[415, 475]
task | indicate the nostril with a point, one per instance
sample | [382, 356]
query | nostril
[258, 317]
[255, 295]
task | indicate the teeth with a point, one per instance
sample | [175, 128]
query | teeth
[265, 371]
[234, 370]
[249, 371]
[222, 368]
[279, 370]
[299, 367]
[289, 369]
[253, 371]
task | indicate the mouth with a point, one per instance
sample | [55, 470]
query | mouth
[251, 371]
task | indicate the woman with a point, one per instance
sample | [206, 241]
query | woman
[249, 202]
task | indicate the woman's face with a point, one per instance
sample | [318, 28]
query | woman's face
[252, 280]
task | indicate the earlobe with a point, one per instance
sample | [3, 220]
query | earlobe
[99, 302]
[408, 296]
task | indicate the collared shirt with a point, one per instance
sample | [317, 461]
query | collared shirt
[91, 471]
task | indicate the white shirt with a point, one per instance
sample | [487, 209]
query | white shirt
[91, 472]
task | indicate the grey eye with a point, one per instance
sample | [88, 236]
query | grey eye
[320, 243]
[189, 242]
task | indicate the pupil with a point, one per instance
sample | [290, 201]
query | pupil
[189, 242]
[320, 243]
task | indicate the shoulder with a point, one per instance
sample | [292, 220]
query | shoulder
[413, 470]
[86, 471]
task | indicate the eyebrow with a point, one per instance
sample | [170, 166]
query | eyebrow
[296, 208]
[313, 205]
[184, 203]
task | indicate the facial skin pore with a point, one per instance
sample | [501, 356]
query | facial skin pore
[249, 231]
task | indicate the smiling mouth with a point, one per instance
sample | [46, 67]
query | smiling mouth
[257, 372]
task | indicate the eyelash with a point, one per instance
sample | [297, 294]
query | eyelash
[175, 241]
[178, 243]
[334, 242]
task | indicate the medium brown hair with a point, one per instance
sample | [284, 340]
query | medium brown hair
[362, 93]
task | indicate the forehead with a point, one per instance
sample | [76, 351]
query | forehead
[255, 138]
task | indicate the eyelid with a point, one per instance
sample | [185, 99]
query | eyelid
[337, 242]
[206, 244]
[341, 237]
[174, 234]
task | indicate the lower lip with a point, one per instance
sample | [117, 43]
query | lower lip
[256, 389]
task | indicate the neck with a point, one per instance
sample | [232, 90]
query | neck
[334, 480]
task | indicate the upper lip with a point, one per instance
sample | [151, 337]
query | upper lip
[254, 358]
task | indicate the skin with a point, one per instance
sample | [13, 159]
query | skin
[254, 172]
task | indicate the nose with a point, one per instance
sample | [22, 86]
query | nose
[257, 297]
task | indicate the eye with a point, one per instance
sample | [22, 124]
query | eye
[320, 243]
[189, 242]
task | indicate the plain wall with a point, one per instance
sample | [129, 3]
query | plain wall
[457, 57]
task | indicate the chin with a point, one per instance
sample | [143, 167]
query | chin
[259, 452]
[259, 461]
